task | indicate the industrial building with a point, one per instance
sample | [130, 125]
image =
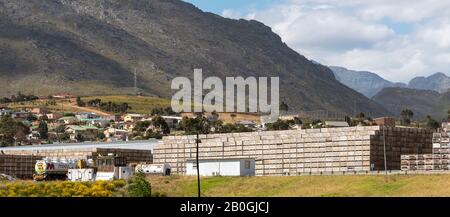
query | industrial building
[296, 152]
[222, 167]
[19, 161]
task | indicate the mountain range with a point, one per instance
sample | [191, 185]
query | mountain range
[421, 102]
[367, 83]
[423, 95]
[95, 47]
[370, 83]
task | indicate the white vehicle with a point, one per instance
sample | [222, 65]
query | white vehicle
[105, 168]
[81, 175]
[154, 169]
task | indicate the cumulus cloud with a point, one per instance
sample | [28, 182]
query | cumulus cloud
[364, 35]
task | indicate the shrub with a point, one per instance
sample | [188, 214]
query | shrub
[139, 186]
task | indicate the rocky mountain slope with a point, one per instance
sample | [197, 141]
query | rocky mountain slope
[421, 102]
[367, 83]
[94, 47]
[438, 82]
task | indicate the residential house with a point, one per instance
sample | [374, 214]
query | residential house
[336, 124]
[85, 132]
[95, 122]
[63, 96]
[68, 120]
[39, 111]
[113, 134]
[54, 116]
[132, 117]
[22, 115]
[5, 112]
[86, 115]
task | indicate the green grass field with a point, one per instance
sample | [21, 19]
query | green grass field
[142, 105]
[307, 186]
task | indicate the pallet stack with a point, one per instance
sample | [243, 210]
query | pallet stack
[438, 160]
[296, 152]
[18, 166]
[132, 156]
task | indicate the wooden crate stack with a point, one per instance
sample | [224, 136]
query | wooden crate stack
[19, 166]
[295, 152]
[438, 160]
[132, 156]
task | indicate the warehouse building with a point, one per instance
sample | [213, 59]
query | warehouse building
[297, 152]
[19, 161]
[222, 167]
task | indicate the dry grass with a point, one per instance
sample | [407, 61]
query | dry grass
[307, 186]
[141, 105]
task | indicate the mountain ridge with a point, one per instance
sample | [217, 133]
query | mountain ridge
[421, 102]
[370, 83]
[365, 82]
[94, 47]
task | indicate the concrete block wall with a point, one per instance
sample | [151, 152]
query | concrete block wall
[295, 152]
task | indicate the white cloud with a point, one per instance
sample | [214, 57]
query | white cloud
[364, 35]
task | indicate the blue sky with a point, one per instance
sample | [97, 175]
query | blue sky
[396, 39]
[218, 6]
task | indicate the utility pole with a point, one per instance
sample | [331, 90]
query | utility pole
[197, 141]
[135, 82]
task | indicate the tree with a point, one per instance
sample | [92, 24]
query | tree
[142, 126]
[195, 125]
[31, 117]
[138, 186]
[233, 116]
[361, 116]
[21, 133]
[79, 138]
[298, 121]
[43, 118]
[80, 103]
[233, 128]
[279, 125]
[431, 123]
[159, 123]
[406, 116]
[43, 130]
[100, 136]
[7, 131]
[284, 107]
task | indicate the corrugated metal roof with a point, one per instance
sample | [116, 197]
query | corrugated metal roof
[136, 145]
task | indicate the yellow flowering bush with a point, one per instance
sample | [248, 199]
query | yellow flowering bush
[62, 189]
